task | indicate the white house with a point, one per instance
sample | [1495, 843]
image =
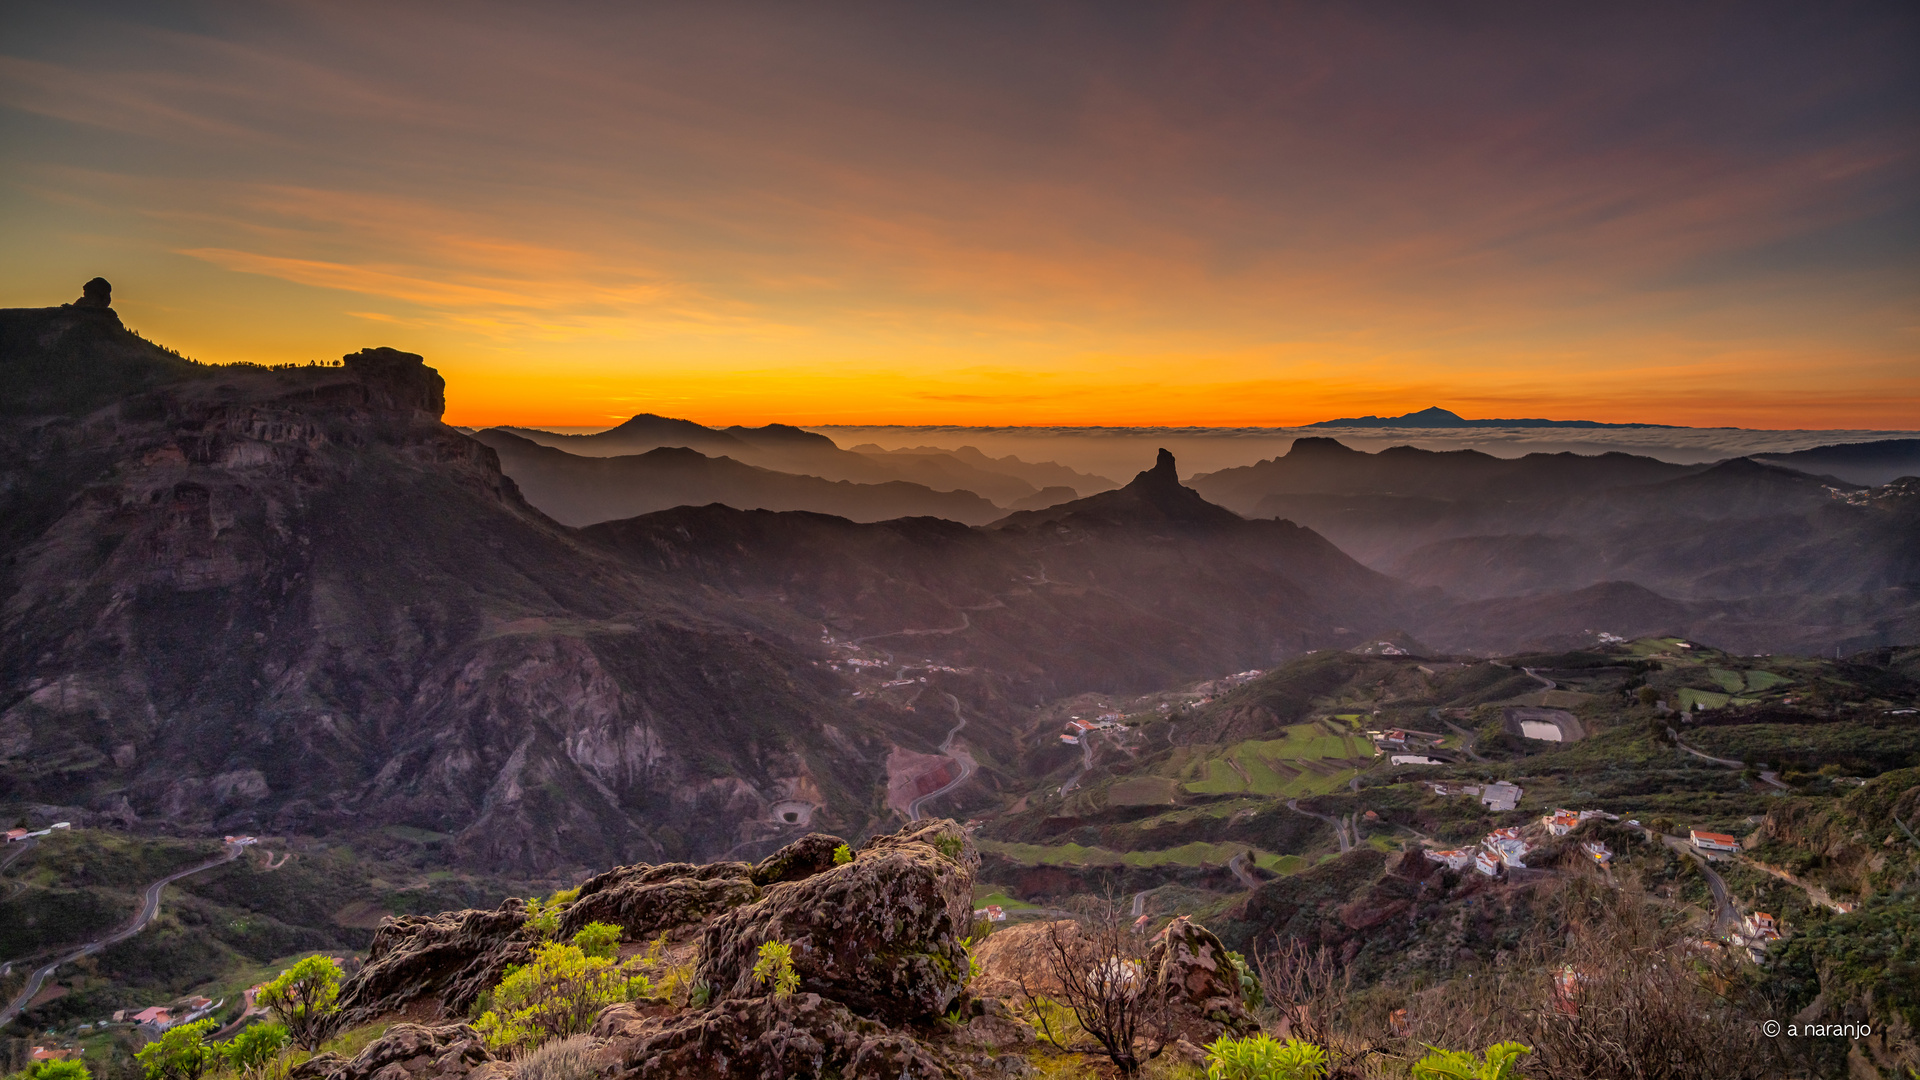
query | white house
[1712, 841]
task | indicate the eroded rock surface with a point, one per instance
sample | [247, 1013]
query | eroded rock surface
[451, 958]
[1201, 983]
[880, 934]
[648, 900]
[418, 1052]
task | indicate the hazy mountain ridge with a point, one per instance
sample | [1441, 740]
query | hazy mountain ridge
[577, 490]
[1755, 556]
[788, 449]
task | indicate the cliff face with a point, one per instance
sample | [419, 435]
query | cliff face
[238, 598]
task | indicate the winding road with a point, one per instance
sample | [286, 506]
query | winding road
[1238, 864]
[1767, 776]
[1466, 737]
[946, 747]
[1339, 826]
[1723, 914]
[149, 907]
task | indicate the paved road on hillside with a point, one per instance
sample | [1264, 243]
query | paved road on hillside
[1086, 762]
[1466, 737]
[1238, 864]
[1723, 915]
[1339, 827]
[946, 747]
[1767, 776]
[149, 907]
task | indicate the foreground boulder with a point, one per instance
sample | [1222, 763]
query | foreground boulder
[414, 1052]
[451, 958]
[1018, 960]
[880, 935]
[1201, 984]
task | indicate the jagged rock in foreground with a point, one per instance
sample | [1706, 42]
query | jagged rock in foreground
[876, 941]
[451, 958]
[880, 934]
[670, 898]
[414, 1052]
[1201, 984]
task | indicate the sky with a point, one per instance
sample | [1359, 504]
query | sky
[996, 214]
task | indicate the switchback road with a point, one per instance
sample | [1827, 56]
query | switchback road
[1339, 826]
[149, 907]
[946, 747]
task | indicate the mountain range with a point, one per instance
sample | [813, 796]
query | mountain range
[235, 597]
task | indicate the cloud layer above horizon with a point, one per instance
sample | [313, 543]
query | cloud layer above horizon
[1062, 214]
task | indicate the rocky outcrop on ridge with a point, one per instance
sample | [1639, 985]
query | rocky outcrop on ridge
[451, 958]
[648, 900]
[880, 934]
[876, 941]
[413, 1052]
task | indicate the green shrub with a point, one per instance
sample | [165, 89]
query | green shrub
[598, 939]
[1500, 1062]
[842, 855]
[254, 1047]
[1259, 1057]
[57, 1070]
[180, 1054]
[556, 995]
[543, 918]
[774, 968]
[302, 999]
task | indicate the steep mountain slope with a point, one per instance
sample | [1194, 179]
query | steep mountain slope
[583, 490]
[1128, 589]
[295, 600]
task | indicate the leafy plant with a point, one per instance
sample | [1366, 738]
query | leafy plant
[1259, 1057]
[57, 1069]
[774, 968]
[1500, 1062]
[973, 965]
[842, 855]
[1251, 991]
[302, 999]
[254, 1047]
[599, 939]
[543, 917]
[1052, 1021]
[556, 995]
[180, 1054]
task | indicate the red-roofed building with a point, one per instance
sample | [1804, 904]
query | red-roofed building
[1712, 841]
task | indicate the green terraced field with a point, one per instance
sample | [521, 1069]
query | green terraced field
[1287, 767]
[1689, 697]
[1730, 681]
[1766, 680]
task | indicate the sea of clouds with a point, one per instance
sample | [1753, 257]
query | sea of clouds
[1118, 453]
